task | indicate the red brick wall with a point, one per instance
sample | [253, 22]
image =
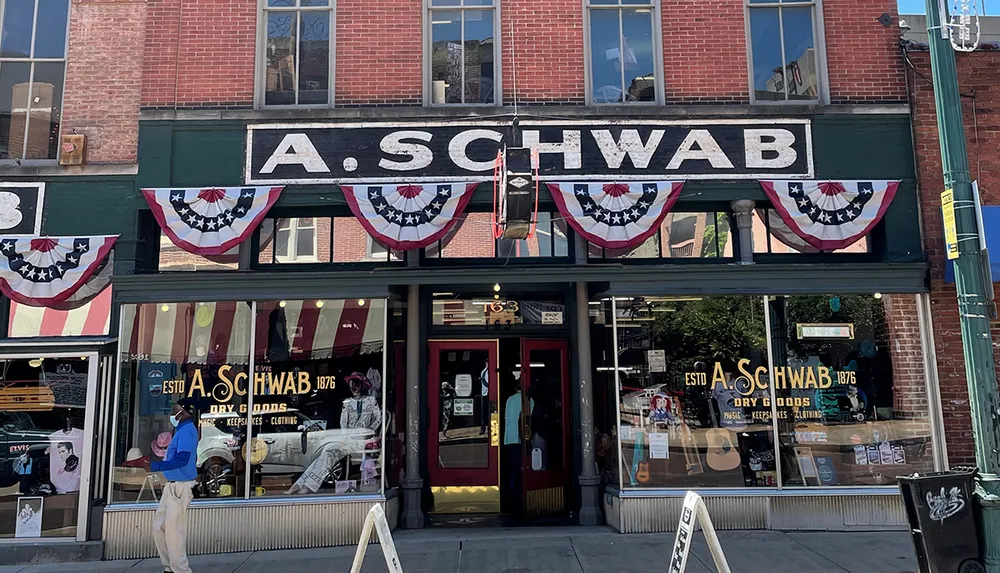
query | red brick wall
[908, 378]
[379, 52]
[978, 72]
[214, 64]
[548, 50]
[103, 78]
[704, 51]
[380, 45]
[864, 61]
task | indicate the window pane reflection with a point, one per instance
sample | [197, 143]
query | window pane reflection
[446, 57]
[622, 63]
[800, 52]
[784, 52]
[843, 417]
[478, 56]
[692, 401]
[281, 65]
[314, 54]
[768, 67]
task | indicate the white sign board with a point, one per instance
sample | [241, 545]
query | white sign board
[657, 360]
[464, 407]
[463, 385]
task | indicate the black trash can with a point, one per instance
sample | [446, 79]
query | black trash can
[939, 507]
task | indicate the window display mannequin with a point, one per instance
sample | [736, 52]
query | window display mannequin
[360, 411]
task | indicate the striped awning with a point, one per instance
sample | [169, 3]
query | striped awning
[219, 332]
[90, 319]
[301, 330]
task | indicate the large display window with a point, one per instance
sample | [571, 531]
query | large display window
[289, 395]
[700, 405]
[843, 419]
[43, 410]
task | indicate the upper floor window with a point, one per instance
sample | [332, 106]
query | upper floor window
[297, 57]
[32, 73]
[295, 240]
[785, 38]
[624, 54]
[463, 52]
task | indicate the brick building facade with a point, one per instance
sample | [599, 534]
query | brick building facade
[205, 95]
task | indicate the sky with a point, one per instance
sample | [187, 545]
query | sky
[917, 6]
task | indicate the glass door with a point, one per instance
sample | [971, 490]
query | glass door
[464, 427]
[545, 405]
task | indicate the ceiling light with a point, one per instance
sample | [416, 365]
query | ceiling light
[361, 302]
[35, 362]
[282, 304]
[496, 287]
[319, 304]
[165, 307]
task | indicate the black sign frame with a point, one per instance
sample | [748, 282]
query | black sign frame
[569, 150]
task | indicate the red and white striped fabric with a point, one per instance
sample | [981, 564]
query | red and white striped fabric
[205, 332]
[91, 319]
[338, 328]
[219, 332]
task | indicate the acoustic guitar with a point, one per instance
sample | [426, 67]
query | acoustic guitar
[642, 474]
[722, 455]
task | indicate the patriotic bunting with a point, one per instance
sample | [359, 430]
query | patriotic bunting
[780, 231]
[830, 215]
[616, 215]
[92, 288]
[405, 217]
[210, 222]
[48, 271]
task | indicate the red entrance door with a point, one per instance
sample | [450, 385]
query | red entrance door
[545, 405]
[463, 438]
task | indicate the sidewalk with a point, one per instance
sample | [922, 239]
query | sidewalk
[562, 550]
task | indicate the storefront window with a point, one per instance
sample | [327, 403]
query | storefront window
[495, 314]
[771, 235]
[197, 353]
[314, 405]
[42, 411]
[693, 392]
[682, 235]
[173, 258]
[319, 411]
[300, 240]
[843, 416]
[602, 356]
[472, 238]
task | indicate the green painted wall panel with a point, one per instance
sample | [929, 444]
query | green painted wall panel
[201, 153]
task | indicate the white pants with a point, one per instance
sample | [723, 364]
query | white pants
[319, 470]
[170, 526]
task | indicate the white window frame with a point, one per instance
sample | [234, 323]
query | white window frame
[31, 59]
[260, 73]
[819, 41]
[370, 255]
[428, 59]
[588, 73]
[293, 241]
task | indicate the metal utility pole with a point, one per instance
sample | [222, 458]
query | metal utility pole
[973, 302]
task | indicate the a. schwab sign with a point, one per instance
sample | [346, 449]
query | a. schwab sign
[567, 150]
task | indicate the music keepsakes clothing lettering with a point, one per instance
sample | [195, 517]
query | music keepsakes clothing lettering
[65, 451]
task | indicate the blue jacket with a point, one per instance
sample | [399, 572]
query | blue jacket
[181, 461]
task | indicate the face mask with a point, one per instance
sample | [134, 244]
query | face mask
[174, 421]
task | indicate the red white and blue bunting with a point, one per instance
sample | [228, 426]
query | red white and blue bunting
[48, 271]
[616, 215]
[210, 221]
[831, 215]
[406, 217]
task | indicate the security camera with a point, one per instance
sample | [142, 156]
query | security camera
[904, 26]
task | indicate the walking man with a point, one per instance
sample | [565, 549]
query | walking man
[179, 467]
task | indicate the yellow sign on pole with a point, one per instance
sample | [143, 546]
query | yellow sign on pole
[950, 231]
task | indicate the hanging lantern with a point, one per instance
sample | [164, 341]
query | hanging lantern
[515, 194]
